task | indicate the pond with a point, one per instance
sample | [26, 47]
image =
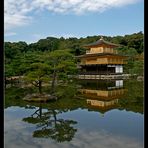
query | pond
[96, 114]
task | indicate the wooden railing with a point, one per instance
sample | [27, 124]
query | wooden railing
[102, 62]
[98, 73]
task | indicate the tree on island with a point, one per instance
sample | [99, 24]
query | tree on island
[37, 74]
[48, 66]
[62, 64]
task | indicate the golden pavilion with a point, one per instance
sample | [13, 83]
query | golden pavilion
[101, 59]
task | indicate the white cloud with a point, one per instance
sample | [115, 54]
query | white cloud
[104, 139]
[81, 6]
[19, 134]
[17, 13]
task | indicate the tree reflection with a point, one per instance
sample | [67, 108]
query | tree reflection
[49, 126]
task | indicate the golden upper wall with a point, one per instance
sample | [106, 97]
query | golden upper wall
[93, 50]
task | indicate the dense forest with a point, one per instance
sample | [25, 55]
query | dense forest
[20, 57]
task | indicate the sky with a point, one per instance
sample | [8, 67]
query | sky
[31, 20]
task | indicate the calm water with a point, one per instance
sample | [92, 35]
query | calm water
[102, 114]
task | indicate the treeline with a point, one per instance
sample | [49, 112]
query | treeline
[132, 45]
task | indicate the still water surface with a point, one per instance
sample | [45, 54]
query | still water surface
[103, 115]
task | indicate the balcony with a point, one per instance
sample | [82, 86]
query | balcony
[88, 52]
[103, 61]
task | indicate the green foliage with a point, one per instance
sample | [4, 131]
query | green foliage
[69, 90]
[134, 65]
[9, 71]
[13, 49]
[134, 98]
[48, 44]
[37, 71]
[14, 95]
[135, 40]
[138, 68]
[61, 62]
[19, 55]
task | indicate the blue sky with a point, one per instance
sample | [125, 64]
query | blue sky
[31, 20]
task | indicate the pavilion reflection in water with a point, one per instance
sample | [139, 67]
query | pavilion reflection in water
[102, 95]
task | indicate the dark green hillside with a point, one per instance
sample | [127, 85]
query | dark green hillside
[16, 52]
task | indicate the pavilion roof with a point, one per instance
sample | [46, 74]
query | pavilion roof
[100, 54]
[100, 42]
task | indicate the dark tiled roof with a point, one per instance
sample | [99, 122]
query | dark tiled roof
[101, 42]
[99, 54]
